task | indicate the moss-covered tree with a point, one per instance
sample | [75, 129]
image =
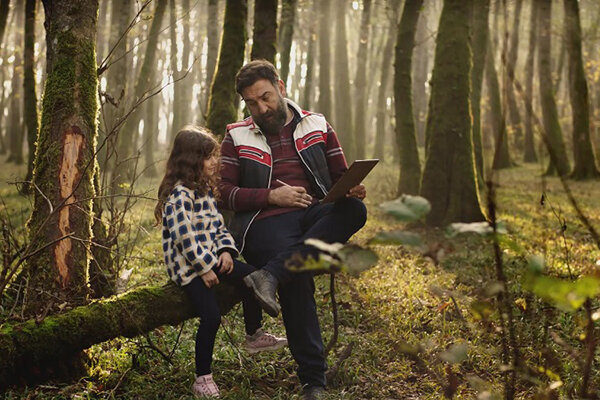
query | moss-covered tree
[479, 42]
[410, 168]
[61, 221]
[181, 88]
[285, 35]
[307, 95]
[342, 120]
[448, 180]
[30, 109]
[360, 83]
[584, 160]
[212, 44]
[264, 37]
[529, 153]
[559, 162]
[420, 74]
[222, 101]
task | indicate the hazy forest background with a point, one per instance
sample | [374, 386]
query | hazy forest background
[476, 276]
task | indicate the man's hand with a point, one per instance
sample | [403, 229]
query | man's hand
[210, 279]
[225, 263]
[358, 191]
[290, 196]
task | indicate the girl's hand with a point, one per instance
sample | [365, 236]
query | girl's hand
[225, 263]
[210, 279]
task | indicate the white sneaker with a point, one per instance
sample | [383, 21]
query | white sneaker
[205, 386]
[263, 341]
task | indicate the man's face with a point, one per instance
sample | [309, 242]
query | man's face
[266, 105]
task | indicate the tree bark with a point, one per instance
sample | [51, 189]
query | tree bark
[222, 109]
[65, 164]
[30, 109]
[212, 44]
[324, 58]
[529, 154]
[32, 350]
[360, 83]
[264, 37]
[479, 42]
[559, 162]
[585, 162]
[449, 175]
[410, 167]
[286, 33]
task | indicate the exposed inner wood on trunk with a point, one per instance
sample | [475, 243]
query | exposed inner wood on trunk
[73, 143]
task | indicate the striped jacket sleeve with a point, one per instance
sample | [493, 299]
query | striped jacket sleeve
[336, 161]
[178, 212]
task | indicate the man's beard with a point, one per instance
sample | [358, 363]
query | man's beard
[271, 122]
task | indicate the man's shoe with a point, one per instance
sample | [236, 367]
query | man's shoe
[313, 393]
[205, 386]
[264, 285]
[263, 341]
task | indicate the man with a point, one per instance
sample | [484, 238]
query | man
[276, 164]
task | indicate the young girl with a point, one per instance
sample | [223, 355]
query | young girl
[199, 250]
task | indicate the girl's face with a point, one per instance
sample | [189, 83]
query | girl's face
[211, 165]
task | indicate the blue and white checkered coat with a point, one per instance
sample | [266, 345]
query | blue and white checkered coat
[193, 234]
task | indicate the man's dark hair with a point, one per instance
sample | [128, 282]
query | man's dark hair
[255, 71]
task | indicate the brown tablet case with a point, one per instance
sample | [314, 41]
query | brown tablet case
[352, 177]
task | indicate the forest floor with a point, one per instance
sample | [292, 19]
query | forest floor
[409, 317]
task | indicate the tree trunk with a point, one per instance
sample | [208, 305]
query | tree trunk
[222, 109]
[479, 42]
[117, 84]
[381, 126]
[342, 120]
[103, 26]
[511, 62]
[585, 162]
[410, 168]
[310, 57]
[324, 58]
[65, 167]
[286, 33]
[31, 350]
[264, 37]
[16, 129]
[129, 133]
[529, 150]
[559, 162]
[501, 154]
[29, 94]
[212, 44]
[3, 17]
[420, 76]
[449, 175]
[150, 135]
[360, 83]
[177, 86]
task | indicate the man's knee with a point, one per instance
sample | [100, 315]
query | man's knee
[355, 210]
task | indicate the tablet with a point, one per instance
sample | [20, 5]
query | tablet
[352, 177]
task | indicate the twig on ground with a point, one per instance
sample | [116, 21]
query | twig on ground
[343, 356]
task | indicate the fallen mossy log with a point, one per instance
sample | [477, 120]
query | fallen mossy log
[30, 350]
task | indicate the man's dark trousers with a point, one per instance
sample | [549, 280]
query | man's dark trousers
[270, 242]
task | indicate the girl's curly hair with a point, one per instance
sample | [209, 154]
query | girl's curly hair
[191, 147]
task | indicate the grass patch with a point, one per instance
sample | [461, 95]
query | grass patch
[402, 315]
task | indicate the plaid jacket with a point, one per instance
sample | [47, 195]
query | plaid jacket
[193, 234]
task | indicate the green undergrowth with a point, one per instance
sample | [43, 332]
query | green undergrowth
[421, 322]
